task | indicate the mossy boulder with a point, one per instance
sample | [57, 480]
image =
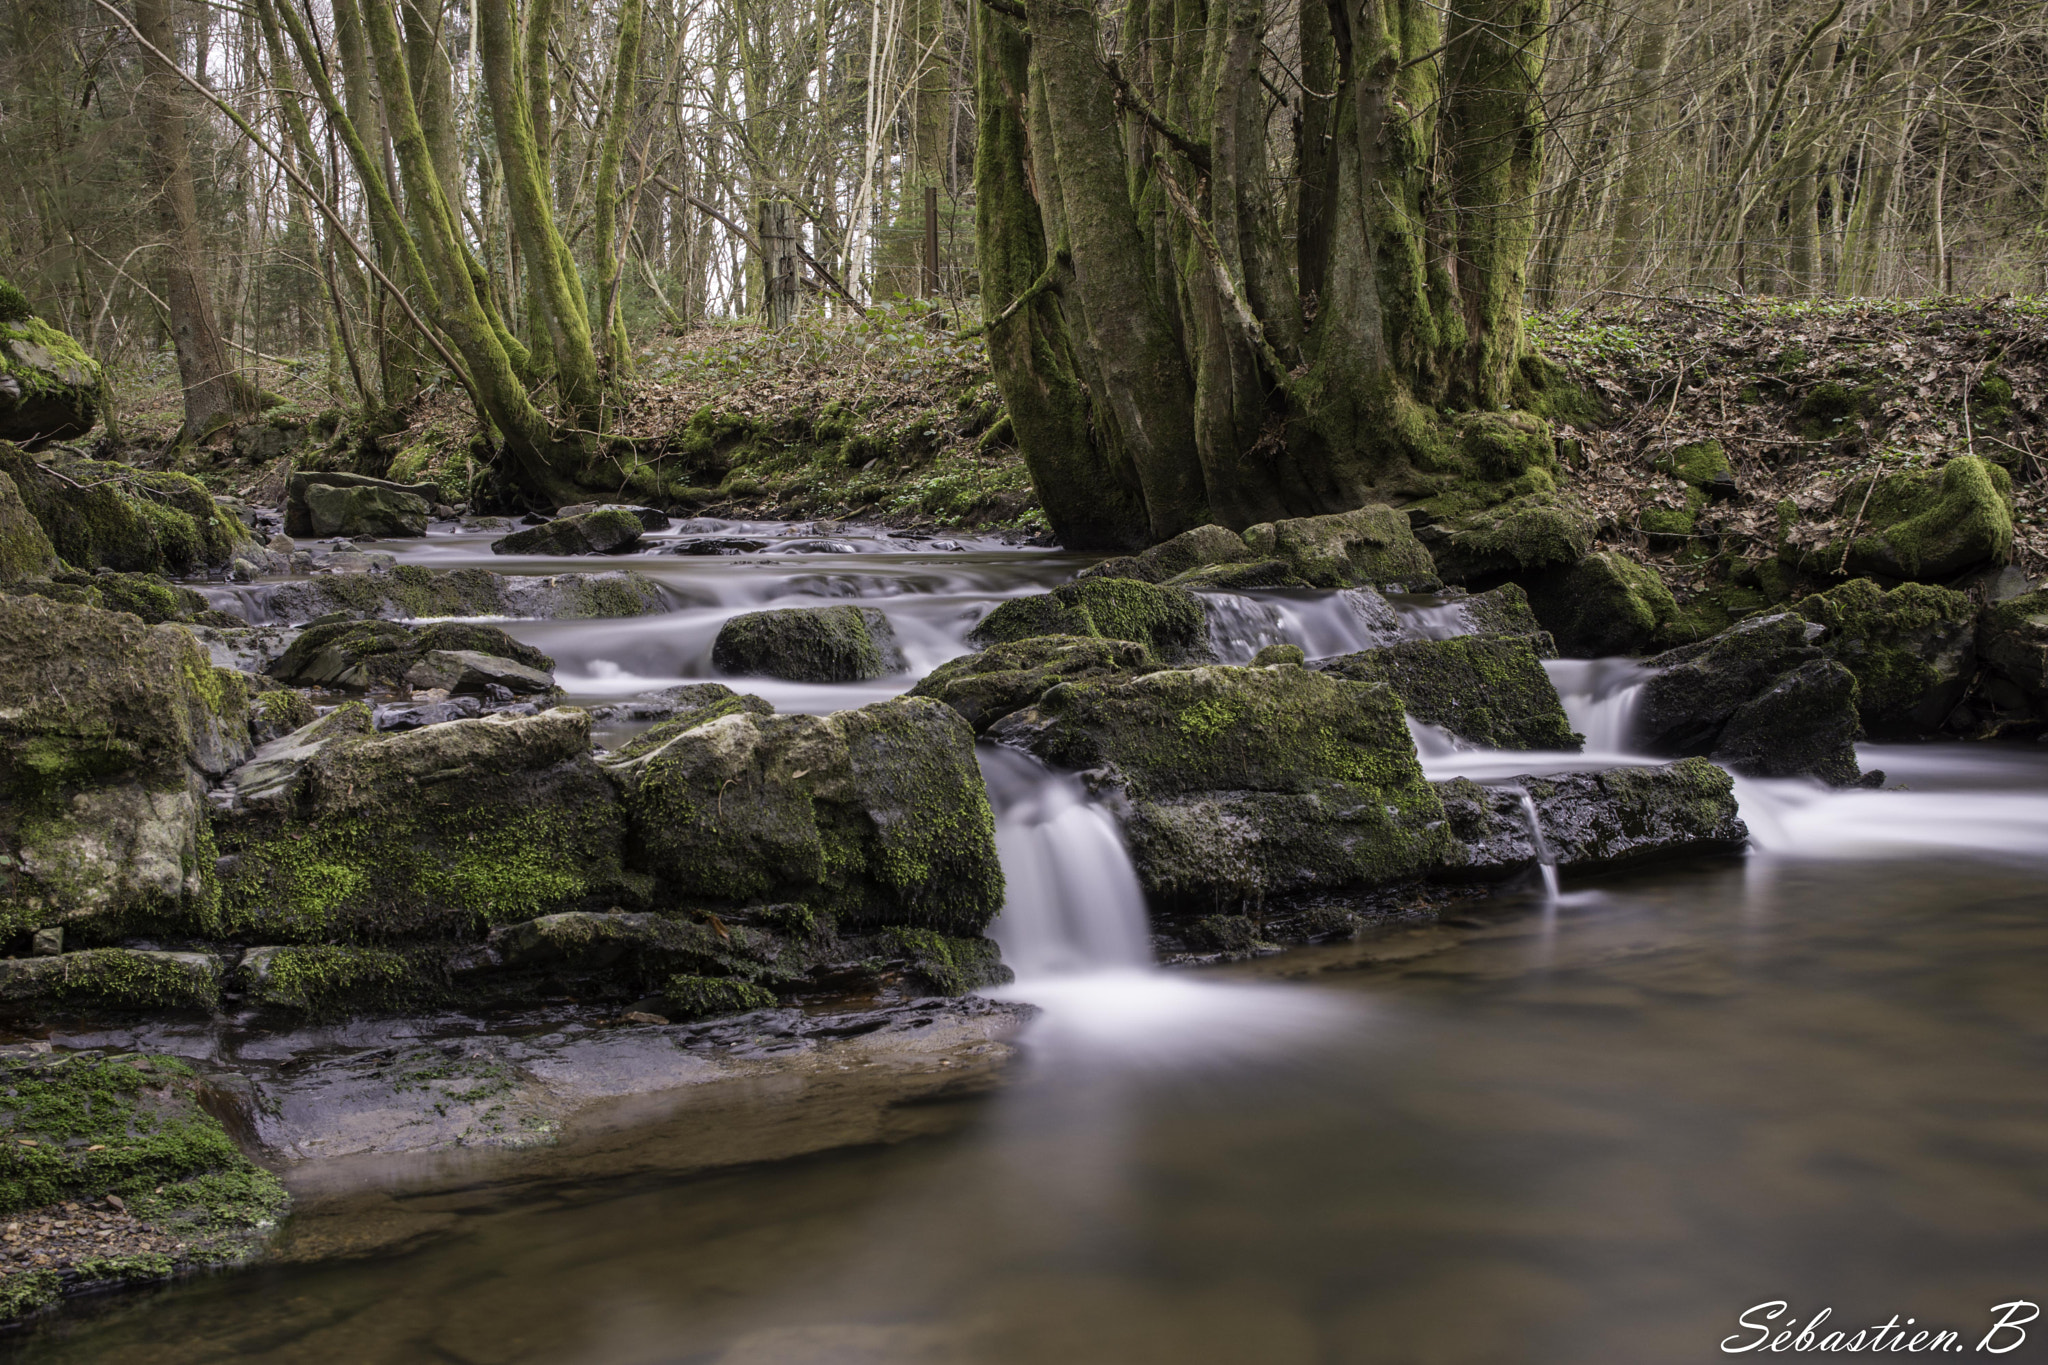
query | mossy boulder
[1700, 464]
[334, 980]
[2012, 638]
[366, 654]
[276, 712]
[1592, 822]
[50, 389]
[875, 816]
[1692, 702]
[82, 1125]
[1607, 604]
[1201, 547]
[114, 979]
[1926, 527]
[333, 835]
[112, 733]
[605, 532]
[1911, 649]
[1506, 445]
[1008, 677]
[100, 514]
[473, 673]
[1472, 539]
[949, 965]
[1368, 547]
[1503, 611]
[298, 514]
[809, 644]
[365, 511]
[1491, 692]
[1167, 621]
[25, 552]
[152, 597]
[1245, 784]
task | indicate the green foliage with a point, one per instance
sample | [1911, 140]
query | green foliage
[14, 305]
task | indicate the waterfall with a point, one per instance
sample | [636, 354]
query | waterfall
[1074, 903]
[1545, 859]
[1600, 697]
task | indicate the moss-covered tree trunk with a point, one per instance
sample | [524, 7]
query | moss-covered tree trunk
[1276, 305]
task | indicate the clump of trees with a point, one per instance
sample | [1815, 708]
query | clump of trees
[1234, 258]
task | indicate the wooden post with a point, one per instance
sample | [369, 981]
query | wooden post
[931, 241]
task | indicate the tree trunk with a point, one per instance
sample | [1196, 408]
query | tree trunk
[214, 393]
[625, 78]
[776, 231]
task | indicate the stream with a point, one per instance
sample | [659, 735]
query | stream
[1588, 1123]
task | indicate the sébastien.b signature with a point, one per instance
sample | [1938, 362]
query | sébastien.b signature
[1766, 1327]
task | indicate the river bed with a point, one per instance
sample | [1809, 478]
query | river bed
[1592, 1126]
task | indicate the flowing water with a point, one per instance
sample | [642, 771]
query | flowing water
[1595, 1127]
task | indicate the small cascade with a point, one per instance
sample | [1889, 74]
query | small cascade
[1074, 903]
[1545, 859]
[1600, 697]
[1240, 626]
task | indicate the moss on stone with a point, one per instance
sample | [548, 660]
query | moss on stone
[1910, 649]
[362, 654]
[98, 514]
[61, 386]
[1608, 604]
[25, 552]
[1007, 677]
[114, 978]
[1927, 526]
[150, 596]
[809, 644]
[330, 980]
[1506, 445]
[695, 997]
[1698, 463]
[1167, 621]
[950, 965]
[1370, 546]
[1471, 538]
[1486, 691]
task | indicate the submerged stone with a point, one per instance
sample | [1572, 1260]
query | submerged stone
[809, 644]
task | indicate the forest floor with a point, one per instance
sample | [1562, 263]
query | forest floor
[891, 419]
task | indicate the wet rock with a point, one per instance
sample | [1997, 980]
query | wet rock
[1369, 547]
[1244, 784]
[1471, 539]
[1008, 677]
[1199, 548]
[468, 672]
[1803, 725]
[380, 513]
[1168, 621]
[275, 712]
[1592, 821]
[947, 964]
[809, 644]
[875, 816]
[107, 743]
[718, 545]
[610, 531]
[402, 499]
[2012, 638]
[1927, 526]
[695, 997]
[1486, 690]
[1505, 611]
[366, 654]
[246, 649]
[650, 519]
[409, 591]
[416, 716]
[1607, 604]
[695, 702]
[1912, 650]
[1280, 656]
[1697, 691]
[50, 389]
[343, 835]
[114, 978]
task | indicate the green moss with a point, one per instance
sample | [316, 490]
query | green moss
[99, 514]
[1907, 648]
[809, 644]
[1487, 691]
[1698, 463]
[953, 966]
[114, 978]
[1926, 526]
[14, 305]
[1007, 677]
[1505, 445]
[28, 1291]
[1372, 545]
[695, 997]
[331, 980]
[1829, 407]
[1609, 604]
[1470, 538]
[1169, 622]
[148, 596]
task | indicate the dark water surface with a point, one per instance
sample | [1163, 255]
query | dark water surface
[1591, 1133]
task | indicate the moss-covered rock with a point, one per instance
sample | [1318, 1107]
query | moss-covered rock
[99, 514]
[1472, 539]
[605, 532]
[1167, 621]
[365, 511]
[114, 978]
[1806, 727]
[366, 654]
[106, 747]
[1247, 783]
[809, 644]
[1607, 604]
[81, 1126]
[336, 835]
[1504, 611]
[1911, 649]
[1506, 445]
[947, 964]
[298, 516]
[1926, 527]
[1701, 464]
[1486, 691]
[25, 552]
[50, 389]
[696, 997]
[1592, 822]
[152, 597]
[1008, 677]
[875, 816]
[1370, 546]
[337, 980]
[2012, 638]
